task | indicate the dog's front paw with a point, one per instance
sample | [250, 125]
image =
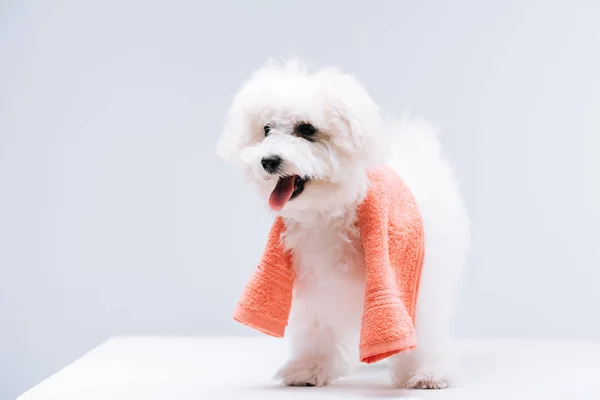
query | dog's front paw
[306, 371]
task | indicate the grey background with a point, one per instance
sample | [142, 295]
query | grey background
[116, 217]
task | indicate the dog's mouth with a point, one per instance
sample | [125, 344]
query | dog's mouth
[287, 188]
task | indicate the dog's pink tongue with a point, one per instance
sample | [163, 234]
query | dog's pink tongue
[282, 193]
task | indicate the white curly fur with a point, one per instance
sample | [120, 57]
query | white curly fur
[321, 231]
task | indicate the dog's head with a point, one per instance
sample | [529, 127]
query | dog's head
[305, 139]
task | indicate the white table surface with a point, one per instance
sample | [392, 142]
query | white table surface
[173, 368]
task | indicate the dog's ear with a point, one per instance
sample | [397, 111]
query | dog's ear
[230, 142]
[368, 140]
[357, 111]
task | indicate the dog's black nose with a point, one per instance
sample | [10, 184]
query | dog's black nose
[271, 163]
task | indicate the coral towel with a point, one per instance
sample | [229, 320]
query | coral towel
[391, 231]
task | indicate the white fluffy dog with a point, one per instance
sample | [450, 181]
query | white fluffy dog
[306, 140]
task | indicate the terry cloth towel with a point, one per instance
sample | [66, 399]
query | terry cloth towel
[391, 232]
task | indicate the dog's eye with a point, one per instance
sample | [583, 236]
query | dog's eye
[306, 129]
[267, 129]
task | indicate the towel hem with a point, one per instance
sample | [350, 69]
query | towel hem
[377, 352]
[265, 326]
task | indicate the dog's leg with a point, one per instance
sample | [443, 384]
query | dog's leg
[434, 364]
[318, 356]
[324, 333]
